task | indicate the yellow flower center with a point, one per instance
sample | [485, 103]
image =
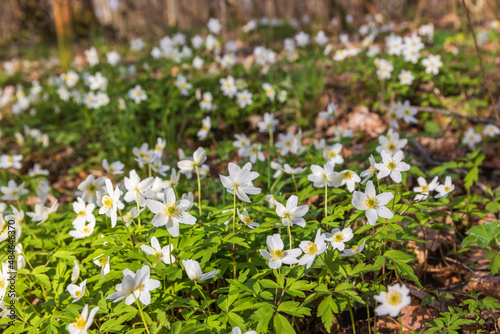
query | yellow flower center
[394, 298]
[80, 323]
[347, 175]
[447, 188]
[2, 283]
[278, 253]
[10, 159]
[103, 261]
[338, 237]
[288, 143]
[331, 154]
[311, 248]
[371, 202]
[391, 165]
[78, 294]
[86, 229]
[247, 220]
[81, 213]
[171, 209]
[158, 256]
[204, 127]
[425, 188]
[107, 201]
[406, 112]
[391, 146]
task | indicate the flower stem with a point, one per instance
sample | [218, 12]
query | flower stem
[234, 211]
[295, 183]
[326, 199]
[206, 303]
[289, 230]
[55, 227]
[142, 315]
[126, 227]
[400, 323]
[352, 317]
[269, 159]
[138, 209]
[199, 188]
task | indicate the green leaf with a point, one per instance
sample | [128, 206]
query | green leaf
[282, 325]
[326, 309]
[293, 308]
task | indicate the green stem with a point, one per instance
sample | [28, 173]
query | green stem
[400, 323]
[138, 209]
[326, 199]
[142, 315]
[205, 299]
[55, 227]
[126, 227]
[199, 189]
[295, 183]
[289, 230]
[352, 317]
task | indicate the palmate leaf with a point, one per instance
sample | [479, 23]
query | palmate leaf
[483, 236]
[282, 325]
[326, 310]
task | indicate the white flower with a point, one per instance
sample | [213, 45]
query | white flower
[13, 191]
[37, 170]
[330, 112]
[286, 143]
[270, 92]
[113, 58]
[110, 202]
[471, 138]
[276, 255]
[240, 180]
[349, 178]
[161, 254]
[424, 188]
[393, 300]
[82, 229]
[253, 152]
[432, 64]
[193, 270]
[321, 38]
[199, 157]
[183, 85]
[268, 123]
[355, 250]
[373, 204]
[206, 101]
[136, 44]
[337, 238]
[4, 279]
[83, 322]
[137, 190]
[214, 26]
[131, 215]
[170, 213]
[391, 142]
[103, 262]
[76, 291]
[312, 249]
[271, 200]
[42, 212]
[302, 39]
[446, 188]
[384, 69]
[245, 218]
[206, 125]
[228, 86]
[91, 56]
[135, 286]
[292, 214]
[392, 166]
[394, 44]
[292, 171]
[244, 98]
[332, 154]
[368, 173]
[115, 168]
[8, 161]
[75, 272]
[89, 188]
[326, 174]
[491, 130]
[406, 77]
[407, 113]
[137, 94]
[143, 154]
[237, 330]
